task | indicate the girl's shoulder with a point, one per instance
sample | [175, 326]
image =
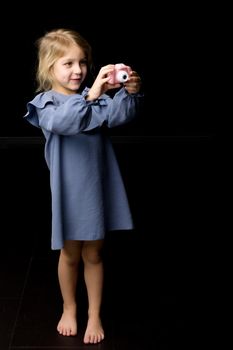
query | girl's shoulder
[56, 98]
[41, 99]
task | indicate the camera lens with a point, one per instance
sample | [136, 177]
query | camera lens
[122, 76]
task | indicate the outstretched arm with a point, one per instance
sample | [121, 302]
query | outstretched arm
[101, 85]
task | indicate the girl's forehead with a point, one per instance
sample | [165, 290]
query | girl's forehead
[73, 49]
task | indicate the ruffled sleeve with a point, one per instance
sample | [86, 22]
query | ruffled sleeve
[124, 107]
[40, 101]
[73, 114]
[65, 115]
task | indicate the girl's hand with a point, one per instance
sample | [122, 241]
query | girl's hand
[133, 85]
[100, 85]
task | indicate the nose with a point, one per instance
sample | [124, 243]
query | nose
[77, 69]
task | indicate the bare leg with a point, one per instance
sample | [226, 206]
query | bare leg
[93, 274]
[68, 274]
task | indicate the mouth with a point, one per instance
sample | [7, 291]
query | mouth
[76, 81]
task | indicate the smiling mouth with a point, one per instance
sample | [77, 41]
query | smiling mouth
[76, 81]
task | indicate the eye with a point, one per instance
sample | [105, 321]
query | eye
[68, 64]
[83, 62]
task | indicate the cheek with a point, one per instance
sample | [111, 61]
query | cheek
[84, 70]
[60, 74]
[63, 76]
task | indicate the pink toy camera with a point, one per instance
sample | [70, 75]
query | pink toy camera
[120, 74]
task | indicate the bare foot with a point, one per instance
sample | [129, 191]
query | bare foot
[94, 333]
[67, 325]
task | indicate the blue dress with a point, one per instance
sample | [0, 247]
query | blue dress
[87, 192]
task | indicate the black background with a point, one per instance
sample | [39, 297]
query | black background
[161, 273]
[169, 45]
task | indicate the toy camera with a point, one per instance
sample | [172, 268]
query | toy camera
[120, 74]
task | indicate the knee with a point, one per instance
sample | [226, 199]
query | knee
[69, 259]
[70, 254]
[91, 256]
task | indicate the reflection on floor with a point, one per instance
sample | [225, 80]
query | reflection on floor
[154, 275]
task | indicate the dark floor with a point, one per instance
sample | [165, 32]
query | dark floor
[155, 275]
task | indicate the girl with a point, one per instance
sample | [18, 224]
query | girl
[88, 195]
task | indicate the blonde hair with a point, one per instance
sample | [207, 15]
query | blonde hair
[53, 46]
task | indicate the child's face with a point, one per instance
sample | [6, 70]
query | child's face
[69, 71]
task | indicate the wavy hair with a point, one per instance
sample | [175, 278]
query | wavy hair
[51, 47]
